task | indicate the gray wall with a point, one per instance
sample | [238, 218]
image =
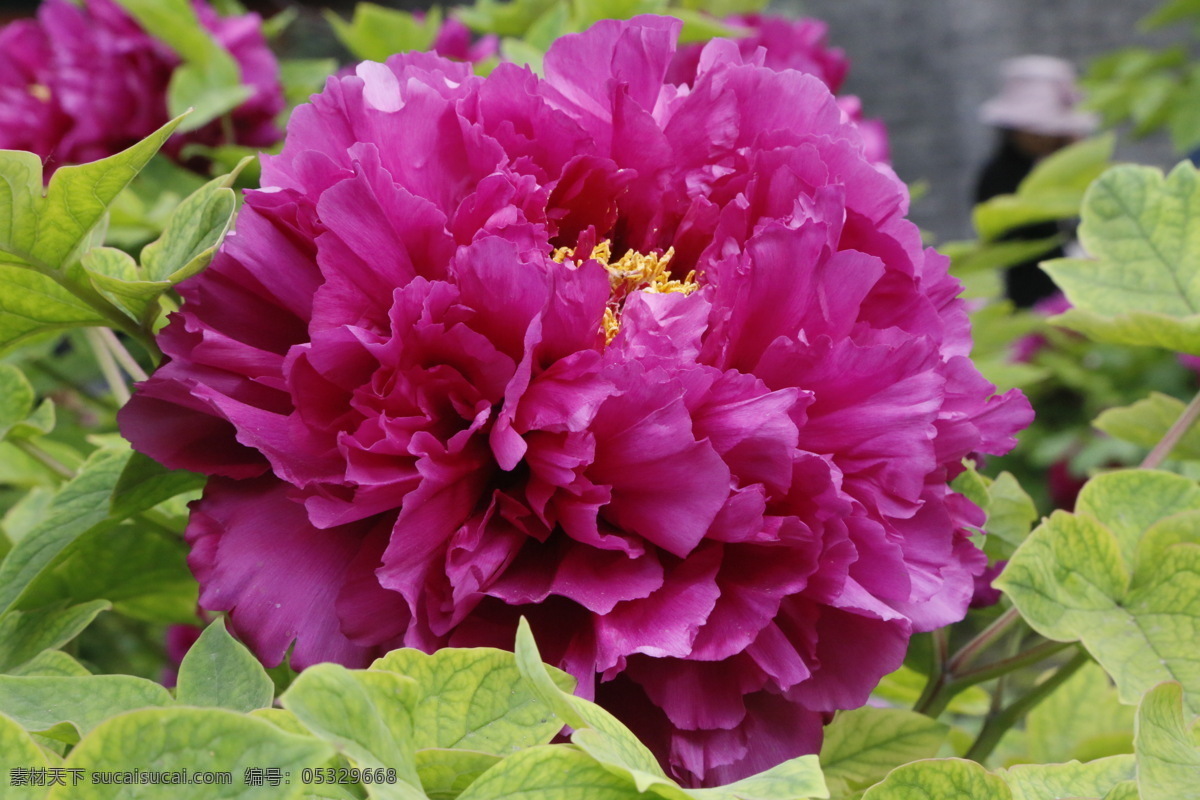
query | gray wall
[924, 66]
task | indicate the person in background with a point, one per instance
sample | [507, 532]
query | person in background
[1035, 113]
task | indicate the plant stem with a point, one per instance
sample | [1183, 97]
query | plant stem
[937, 674]
[127, 362]
[997, 725]
[42, 457]
[971, 650]
[108, 366]
[1004, 666]
[1173, 435]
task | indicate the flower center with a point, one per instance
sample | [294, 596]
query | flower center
[39, 91]
[632, 272]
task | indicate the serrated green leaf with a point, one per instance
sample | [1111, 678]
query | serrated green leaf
[376, 32]
[968, 258]
[52, 664]
[79, 195]
[41, 703]
[1010, 512]
[195, 740]
[1146, 422]
[943, 779]
[1082, 720]
[1053, 190]
[1093, 779]
[79, 506]
[39, 423]
[16, 398]
[863, 745]
[1142, 285]
[474, 699]
[597, 732]
[144, 483]
[18, 750]
[550, 772]
[366, 714]
[446, 773]
[1168, 761]
[1082, 577]
[25, 634]
[219, 671]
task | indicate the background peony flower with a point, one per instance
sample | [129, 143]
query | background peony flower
[662, 368]
[80, 83]
[455, 40]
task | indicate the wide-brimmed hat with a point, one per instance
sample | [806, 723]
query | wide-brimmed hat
[1038, 94]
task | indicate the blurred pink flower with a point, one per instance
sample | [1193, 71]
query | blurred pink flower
[664, 370]
[80, 83]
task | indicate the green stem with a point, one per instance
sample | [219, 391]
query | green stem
[127, 362]
[1173, 435]
[1006, 665]
[997, 725]
[103, 403]
[937, 673]
[42, 457]
[108, 366]
[971, 650]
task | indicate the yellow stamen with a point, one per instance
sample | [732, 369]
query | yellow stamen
[39, 91]
[632, 272]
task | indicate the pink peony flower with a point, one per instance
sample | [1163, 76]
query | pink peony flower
[798, 44]
[662, 368]
[80, 83]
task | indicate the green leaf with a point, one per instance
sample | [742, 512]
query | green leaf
[1143, 284]
[1125, 790]
[1085, 577]
[32, 303]
[589, 12]
[1083, 719]
[26, 634]
[863, 745]
[78, 196]
[550, 772]
[1146, 422]
[193, 232]
[16, 398]
[20, 188]
[209, 81]
[1010, 513]
[19, 751]
[117, 277]
[1170, 13]
[144, 483]
[701, 27]
[301, 77]
[474, 699]
[219, 671]
[375, 32]
[597, 732]
[943, 779]
[446, 773]
[141, 569]
[195, 740]
[41, 703]
[1168, 761]
[504, 19]
[367, 715]
[52, 664]
[903, 688]
[1094, 779]
[79, 506]
[1053, 190]
[792, 780]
